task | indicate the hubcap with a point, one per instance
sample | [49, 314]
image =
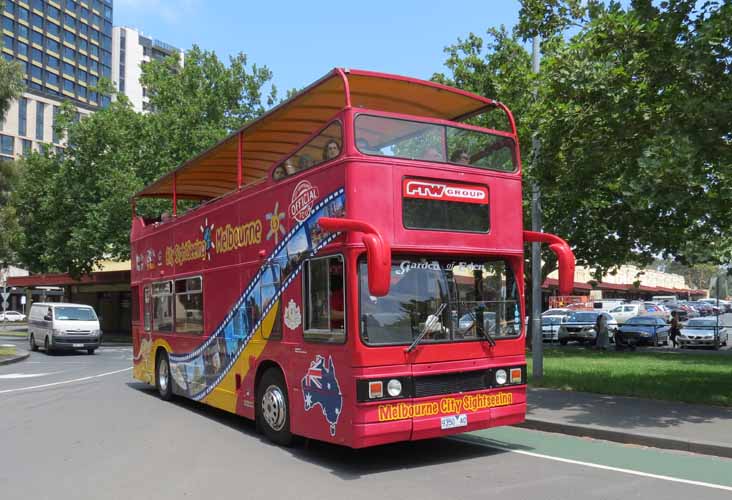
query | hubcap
[163, 375]
[274, 409]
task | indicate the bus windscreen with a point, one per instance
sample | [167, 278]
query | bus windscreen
[381, 136]
[480, 300]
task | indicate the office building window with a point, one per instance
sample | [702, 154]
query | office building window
[8, 41]
[21, 48]
[84, 13]
[81, 75]
[10, 6]
[68, 69]
[94, 50]
[7, 145]
[8, 24]
[27, 146]
[83, 44]
[53, 29]
[23, 116]
[53, 45]
[69, 21]
[69, 37]
[51, 78]
[36, 21]
[21, 31]
[52, 62]
[37, 55]
[71, 5]
[36, 72]
[68, 85]
[37, 4]
[93, 65]
[22, 13]
[53, 12]
[83, 60]
[40, 108]
[69, 53]
[81, 90]
[121, 84]
[108, 12]
[37, 38]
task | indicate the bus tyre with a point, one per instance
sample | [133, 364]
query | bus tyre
[32, 342]
[162, 377]
[273, 409]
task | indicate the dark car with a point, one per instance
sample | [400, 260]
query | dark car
[644, 330]
[580, 326]
[682, 313]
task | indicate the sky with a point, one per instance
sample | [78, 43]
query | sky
[300, 41]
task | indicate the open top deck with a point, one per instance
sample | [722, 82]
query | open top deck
[247, 155]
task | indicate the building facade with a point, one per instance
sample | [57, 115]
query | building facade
[64, 47]
[130, 50]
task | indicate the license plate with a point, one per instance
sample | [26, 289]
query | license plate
[78, 345]
[454, 421]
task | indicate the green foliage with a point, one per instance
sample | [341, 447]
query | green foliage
[74, 209]
[11, 84]
[632, 114]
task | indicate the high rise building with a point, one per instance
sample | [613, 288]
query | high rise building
[132, 49]
[64, 48]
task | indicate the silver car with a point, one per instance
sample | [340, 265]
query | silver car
[702, 332]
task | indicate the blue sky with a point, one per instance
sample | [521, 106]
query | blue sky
[301, 41]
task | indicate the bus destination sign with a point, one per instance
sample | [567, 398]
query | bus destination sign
[444, 191]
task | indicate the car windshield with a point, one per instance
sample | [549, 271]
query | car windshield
[641, 321]
[699, 323]
[583, 317]
[551, 320]
[75, 314]
[380, 136]
[480, 299]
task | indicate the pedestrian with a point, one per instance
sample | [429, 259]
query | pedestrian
[602, 339]
[674, 331]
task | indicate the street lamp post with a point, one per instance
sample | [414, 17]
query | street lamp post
[537, 341]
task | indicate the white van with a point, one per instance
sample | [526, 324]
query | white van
[57, 326]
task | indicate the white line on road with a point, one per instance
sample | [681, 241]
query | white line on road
[65, 381]
[603, 467]
[25, 375]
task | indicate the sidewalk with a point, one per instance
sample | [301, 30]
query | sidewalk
[20, 355]
[660, 424]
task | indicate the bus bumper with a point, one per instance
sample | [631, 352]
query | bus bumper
[446, 421]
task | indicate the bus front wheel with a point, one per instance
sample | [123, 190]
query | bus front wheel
[162, 377]
[273, 410]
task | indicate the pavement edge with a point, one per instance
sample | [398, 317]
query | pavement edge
[15, 359]
[606, 434]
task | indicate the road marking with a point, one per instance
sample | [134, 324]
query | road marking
[25, 375]
[65, 381]
[597, 466]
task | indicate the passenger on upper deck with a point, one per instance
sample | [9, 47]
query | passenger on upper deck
[331, 150]
[364, 146]
[460, 156]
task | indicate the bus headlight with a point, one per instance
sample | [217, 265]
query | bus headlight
[501, 377]
[394, 388]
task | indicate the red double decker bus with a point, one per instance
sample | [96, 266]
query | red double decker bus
[353, 272]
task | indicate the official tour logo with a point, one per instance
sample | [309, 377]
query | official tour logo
[303, 197]
[320, 387]
[293, 317]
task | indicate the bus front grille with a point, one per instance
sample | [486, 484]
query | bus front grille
[450, 383]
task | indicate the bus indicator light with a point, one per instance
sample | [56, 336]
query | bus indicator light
[376, 389]
[516, 375]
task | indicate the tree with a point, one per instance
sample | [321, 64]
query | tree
[633, 122]
[73, 208]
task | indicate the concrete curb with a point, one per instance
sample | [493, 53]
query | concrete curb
[607, 434]
[15, 359]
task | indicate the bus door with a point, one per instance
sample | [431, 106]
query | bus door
[320, 366]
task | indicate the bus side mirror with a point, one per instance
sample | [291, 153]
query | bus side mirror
[379, 251]
[564, 254]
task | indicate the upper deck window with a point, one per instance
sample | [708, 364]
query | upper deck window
[325, 146]
[380, 136]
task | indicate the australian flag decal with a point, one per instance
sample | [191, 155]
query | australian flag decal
[320, 387]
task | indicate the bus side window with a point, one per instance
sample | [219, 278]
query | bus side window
[324, 291]
[189, 306]
[270, 284]
[162, 294]
[147, 307]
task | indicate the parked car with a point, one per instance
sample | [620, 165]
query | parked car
[580, 326]
[644, 329]
[550, 326]
[680, 311]
[703, 308]
[701, 332]
[624, 312]
[12, 316]
[557, 311]
[56, 325]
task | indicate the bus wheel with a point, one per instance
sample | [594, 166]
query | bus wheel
[162, 377]
[273, 411]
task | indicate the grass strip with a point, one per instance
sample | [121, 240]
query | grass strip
[690, 378]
